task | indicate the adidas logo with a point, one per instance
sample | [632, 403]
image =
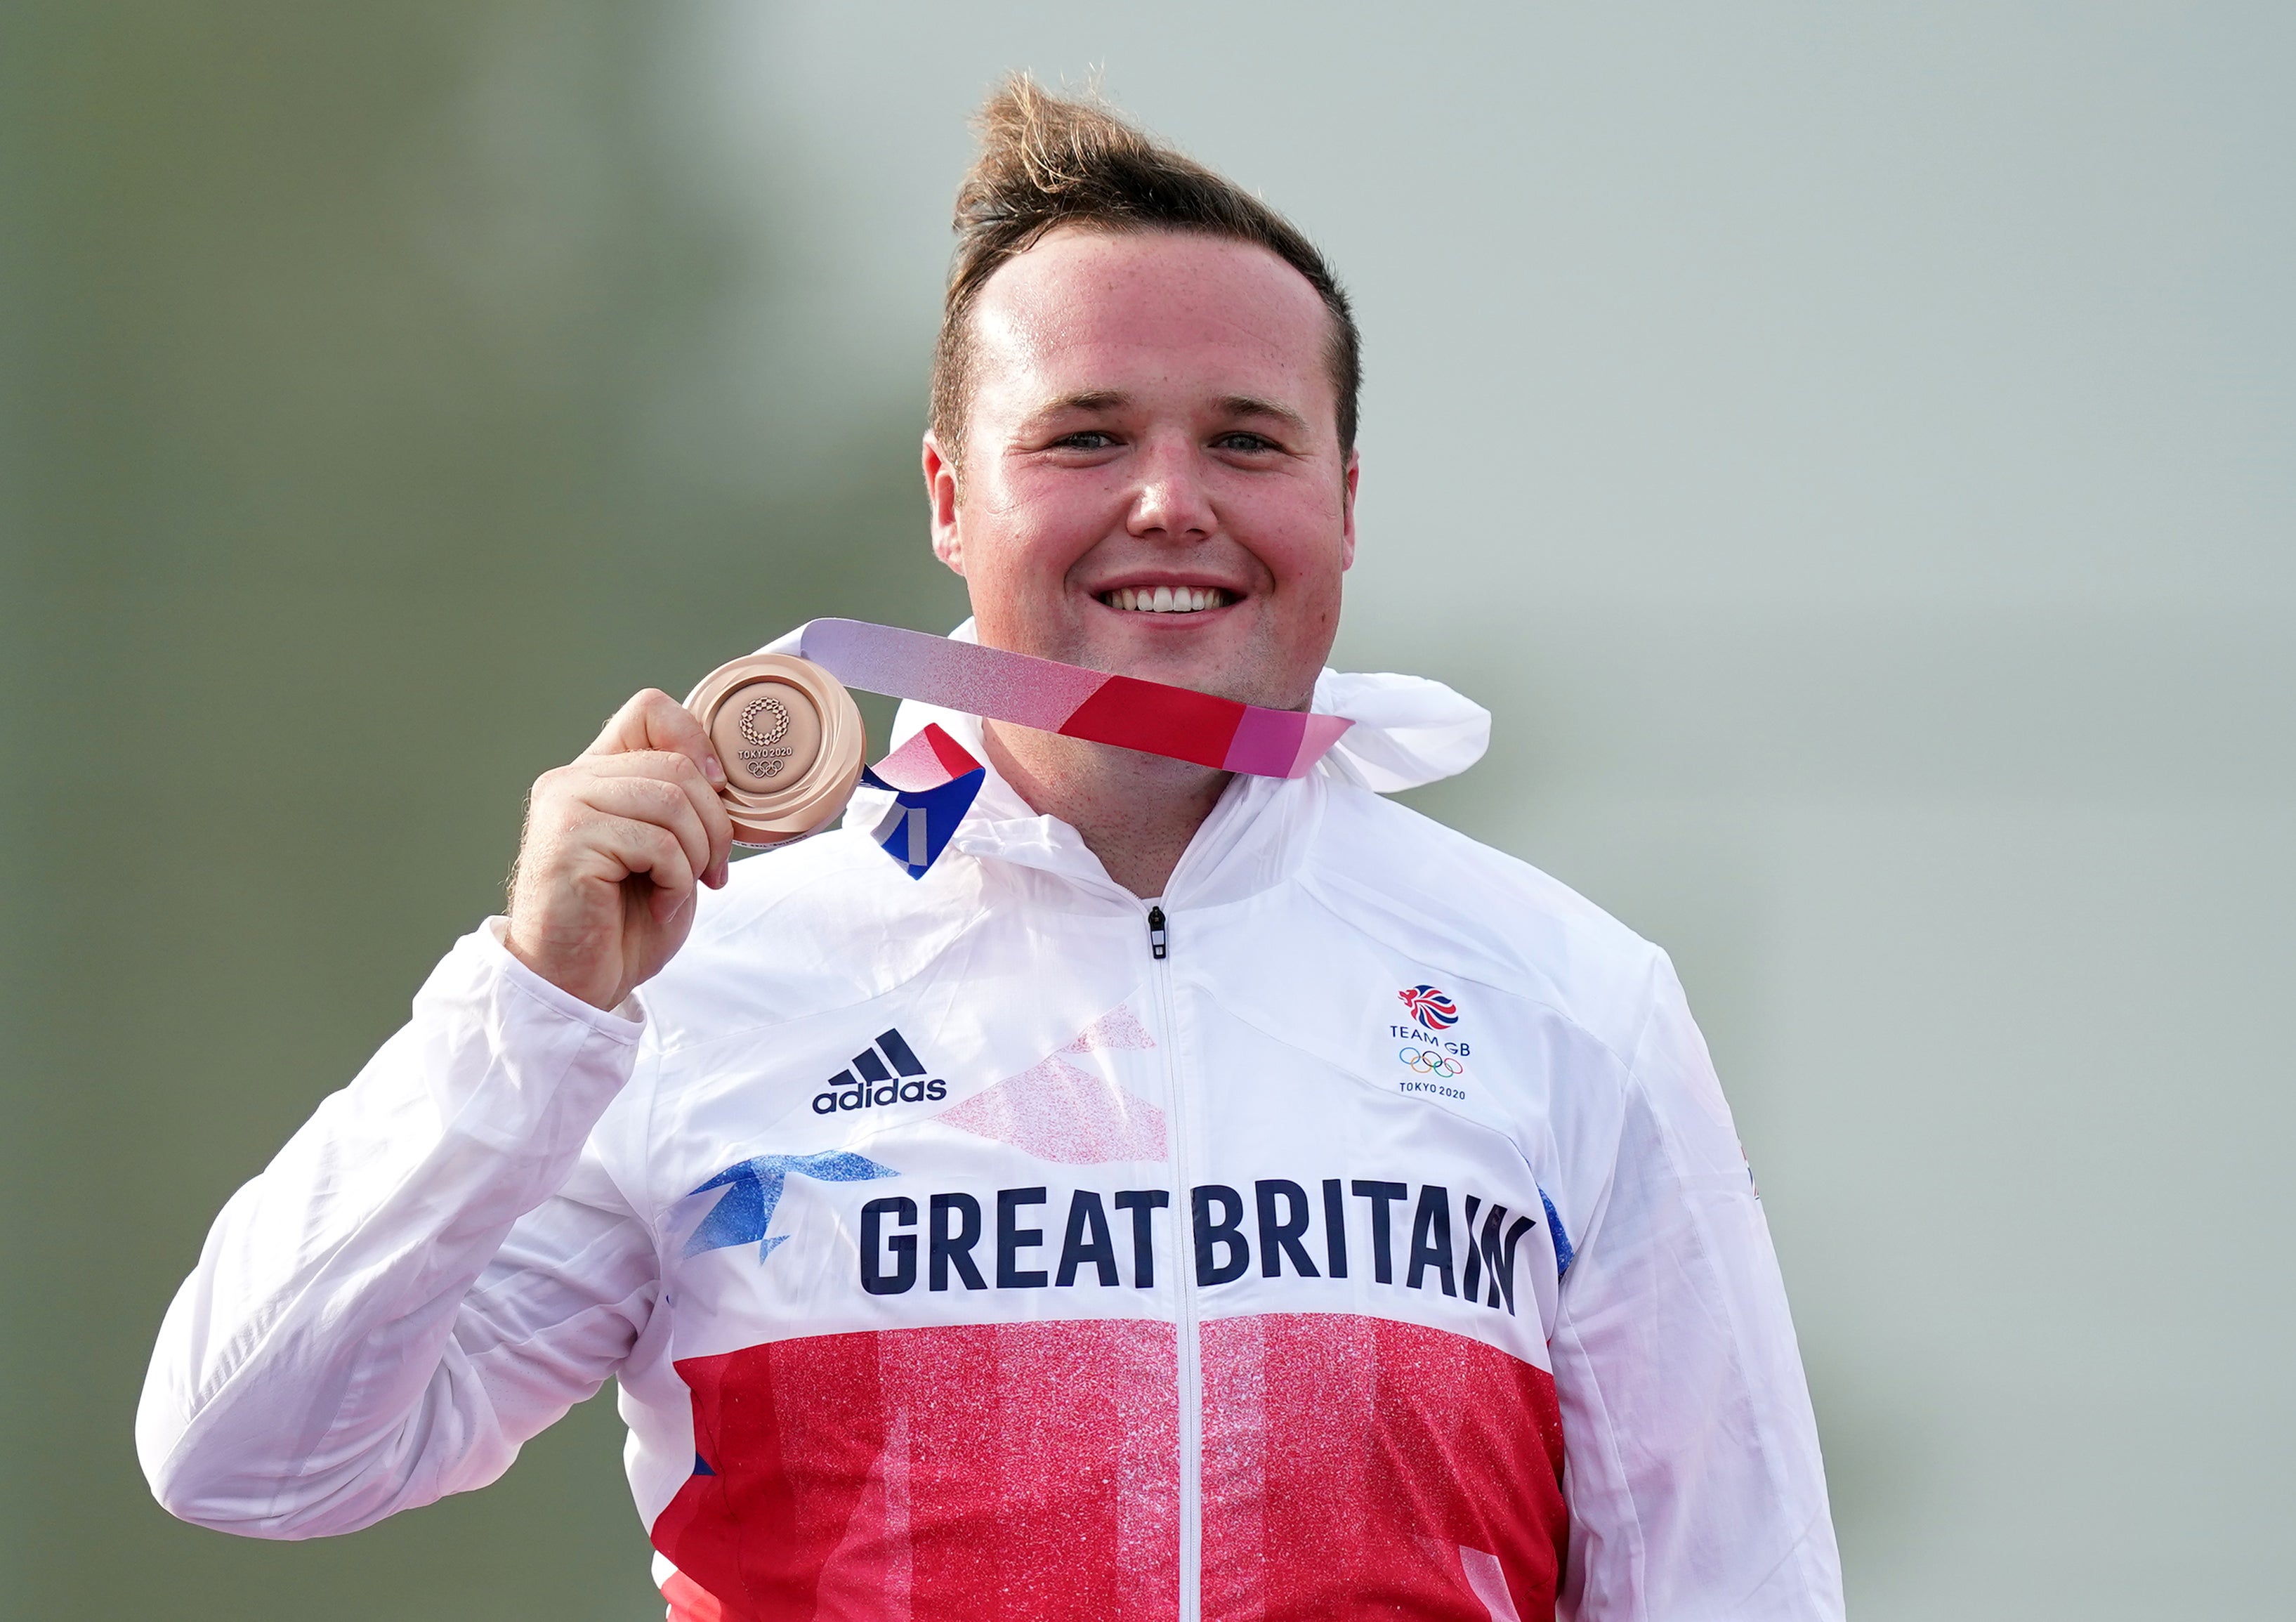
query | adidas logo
[870, 1085]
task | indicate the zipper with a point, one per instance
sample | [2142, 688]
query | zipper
[1191, 1371]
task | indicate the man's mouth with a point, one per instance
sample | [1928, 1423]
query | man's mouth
[1166, 598]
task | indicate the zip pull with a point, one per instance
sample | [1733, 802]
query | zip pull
[1156, 933]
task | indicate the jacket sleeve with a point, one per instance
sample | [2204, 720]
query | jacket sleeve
[1692, 1465]
[430, 1273]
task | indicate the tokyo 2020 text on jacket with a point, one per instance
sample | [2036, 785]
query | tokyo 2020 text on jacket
[1373, 1240]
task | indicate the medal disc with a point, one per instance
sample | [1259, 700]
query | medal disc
[789, 738]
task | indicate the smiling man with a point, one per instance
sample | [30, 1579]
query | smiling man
[1196, 1195]
[1138, 464]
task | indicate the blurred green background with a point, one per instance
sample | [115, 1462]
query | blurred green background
[1853, 451]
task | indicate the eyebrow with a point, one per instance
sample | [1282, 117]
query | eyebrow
[1090, 399]
[1233, 406]
[1252, 405]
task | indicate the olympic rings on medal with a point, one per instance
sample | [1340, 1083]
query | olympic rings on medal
[1431, 1062]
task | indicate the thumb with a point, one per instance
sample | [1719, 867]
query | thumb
[654, 720]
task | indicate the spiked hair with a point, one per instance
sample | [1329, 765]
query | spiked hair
[1048, 161]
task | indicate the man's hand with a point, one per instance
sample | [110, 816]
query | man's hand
[615, 844]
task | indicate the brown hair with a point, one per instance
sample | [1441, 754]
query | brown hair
[1047, 161]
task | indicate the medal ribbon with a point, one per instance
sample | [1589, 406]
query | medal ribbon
[1051, 697]
[933, 778]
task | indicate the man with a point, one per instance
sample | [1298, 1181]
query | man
[1195, 1195]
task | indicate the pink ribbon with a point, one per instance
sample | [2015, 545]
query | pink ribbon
[1049, 696]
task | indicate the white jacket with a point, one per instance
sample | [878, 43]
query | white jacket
[1382, 1247]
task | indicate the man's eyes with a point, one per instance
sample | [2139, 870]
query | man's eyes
[1240, 440]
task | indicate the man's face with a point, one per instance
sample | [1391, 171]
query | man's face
[1153, 483]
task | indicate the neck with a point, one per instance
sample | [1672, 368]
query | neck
[1135, 811]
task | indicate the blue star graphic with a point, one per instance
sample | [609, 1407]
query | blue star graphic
[753, 1188]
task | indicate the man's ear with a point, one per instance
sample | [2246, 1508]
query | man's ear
[940, 497]
[1348, 513]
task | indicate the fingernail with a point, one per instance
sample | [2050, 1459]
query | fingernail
[711, 769]
[721, 874]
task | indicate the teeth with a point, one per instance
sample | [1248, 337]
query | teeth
[1166, 598]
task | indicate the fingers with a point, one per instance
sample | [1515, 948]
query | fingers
[654, 723]
[668, 805]
[649, 849]
[643, 802]
[678, 771]
[654, 720]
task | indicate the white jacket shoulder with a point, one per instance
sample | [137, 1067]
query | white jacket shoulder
[1486, 915]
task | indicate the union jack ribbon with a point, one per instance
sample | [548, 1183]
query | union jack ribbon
[932, 779]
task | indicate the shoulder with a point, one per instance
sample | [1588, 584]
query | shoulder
[1441, 896]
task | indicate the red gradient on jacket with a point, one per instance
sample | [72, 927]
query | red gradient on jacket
[1352, 1467]
[1349, 1460]
[1006, 1471]
[690, 1601]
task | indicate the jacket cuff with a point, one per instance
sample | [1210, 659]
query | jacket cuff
[625, 1023]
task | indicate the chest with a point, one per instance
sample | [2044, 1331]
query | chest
[1073, 1129]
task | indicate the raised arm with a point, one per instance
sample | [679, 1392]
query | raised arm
[432, 1271]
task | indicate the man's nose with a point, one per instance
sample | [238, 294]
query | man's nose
[1171, 502]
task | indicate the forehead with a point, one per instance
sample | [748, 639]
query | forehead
[1142, 310]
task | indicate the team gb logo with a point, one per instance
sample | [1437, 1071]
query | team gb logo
[1431, 1007]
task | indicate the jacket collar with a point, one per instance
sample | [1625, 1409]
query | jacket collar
[1408, 731]
[1252, 840]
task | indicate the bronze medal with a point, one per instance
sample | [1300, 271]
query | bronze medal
[789, 738]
